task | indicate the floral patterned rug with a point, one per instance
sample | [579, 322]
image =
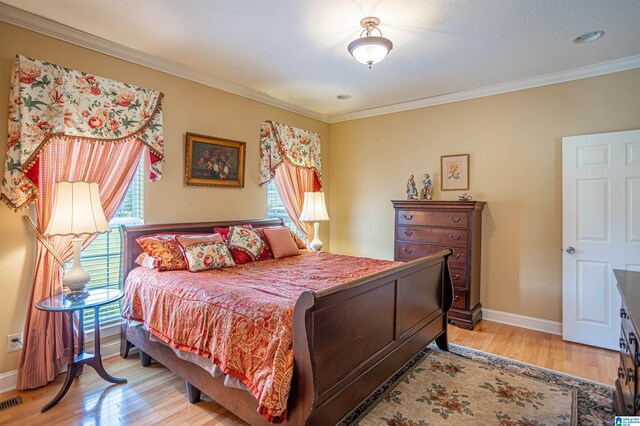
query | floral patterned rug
[468, 387]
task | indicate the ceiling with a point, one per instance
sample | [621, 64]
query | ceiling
[294, 52]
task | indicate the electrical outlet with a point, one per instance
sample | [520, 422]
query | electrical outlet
[14, 342]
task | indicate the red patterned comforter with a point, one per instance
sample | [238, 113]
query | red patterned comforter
[240, 317]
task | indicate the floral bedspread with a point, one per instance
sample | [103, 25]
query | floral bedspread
[240, 317]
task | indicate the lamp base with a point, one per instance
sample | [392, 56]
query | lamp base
[316, 244]
[76, 278]
[76, 296]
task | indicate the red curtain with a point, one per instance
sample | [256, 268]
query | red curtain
[112, 165]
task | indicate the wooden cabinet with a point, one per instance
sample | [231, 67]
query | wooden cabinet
[425, 227]
[626, 392]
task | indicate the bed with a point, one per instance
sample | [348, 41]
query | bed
[347, 339]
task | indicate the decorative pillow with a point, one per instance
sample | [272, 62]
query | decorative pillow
[281, 242]
[165, 249]
[299, 241]
[266, 252]
[245, 240]
[147, 261]
[239, 256]
[204, 252]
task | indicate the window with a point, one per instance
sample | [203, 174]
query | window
[103, 257]
[276, 210]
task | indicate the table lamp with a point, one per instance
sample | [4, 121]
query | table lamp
[77, 211]
[314, 210]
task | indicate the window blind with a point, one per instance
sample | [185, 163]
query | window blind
[103, 257]
[276, 210]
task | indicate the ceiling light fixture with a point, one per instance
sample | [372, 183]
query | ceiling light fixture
[370, 49]
[343, 97]
[589, 37]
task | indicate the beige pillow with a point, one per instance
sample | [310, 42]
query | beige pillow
[147, 261]
[281, 242]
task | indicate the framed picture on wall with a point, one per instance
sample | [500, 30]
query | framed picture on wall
[454, 170]
[212, 161]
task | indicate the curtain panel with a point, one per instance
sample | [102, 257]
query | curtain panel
[69, 125]
[48, 100]
[292, 157]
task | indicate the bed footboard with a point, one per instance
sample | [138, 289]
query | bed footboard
[349, 339]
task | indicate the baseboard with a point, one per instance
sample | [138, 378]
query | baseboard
[539, 324]
[8, 381]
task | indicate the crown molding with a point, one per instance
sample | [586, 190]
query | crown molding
[27, 20]
[602, 68]
[65, 33]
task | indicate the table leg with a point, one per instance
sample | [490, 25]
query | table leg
[96, 362]
[72, 369]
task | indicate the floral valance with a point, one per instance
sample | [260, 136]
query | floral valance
[50, 101]
[279, 142]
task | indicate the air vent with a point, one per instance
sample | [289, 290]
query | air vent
[8, 403]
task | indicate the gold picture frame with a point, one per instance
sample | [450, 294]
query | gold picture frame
[454, 172]
[213, 161]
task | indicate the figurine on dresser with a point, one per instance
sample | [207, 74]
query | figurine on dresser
[427, 188]
[412, 191]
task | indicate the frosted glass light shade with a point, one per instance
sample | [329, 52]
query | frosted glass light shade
[370, 50]
[314, 208]
[77, 210]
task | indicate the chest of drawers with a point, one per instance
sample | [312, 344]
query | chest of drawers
[627, 392]
[425, 227]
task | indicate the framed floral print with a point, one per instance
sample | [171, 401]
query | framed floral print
[212, 161]
[454, 170]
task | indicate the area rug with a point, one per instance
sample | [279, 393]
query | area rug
[468, 387]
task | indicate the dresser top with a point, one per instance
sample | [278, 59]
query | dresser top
[629, 285]
[439, 204]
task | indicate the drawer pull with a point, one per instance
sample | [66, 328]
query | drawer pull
[632, 338]
[456, 256]
[454, 219]
[456, 277]
[623, 313]
[630, 375]
[456, 298]
[637, 360]
[408, 233]
[620, 373]
[408, 217]
[454, 237]
[407, 250]
[623, 344]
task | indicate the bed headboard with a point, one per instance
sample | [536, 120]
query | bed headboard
[131, 249]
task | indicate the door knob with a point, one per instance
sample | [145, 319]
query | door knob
[571, 250]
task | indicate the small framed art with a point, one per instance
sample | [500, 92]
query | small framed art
[212, 161]
[454, 170]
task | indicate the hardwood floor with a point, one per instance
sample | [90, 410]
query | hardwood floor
[155, 396]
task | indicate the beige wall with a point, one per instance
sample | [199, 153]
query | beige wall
[514, 141]
[189, 107]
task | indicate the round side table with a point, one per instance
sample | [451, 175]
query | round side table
[60, 303]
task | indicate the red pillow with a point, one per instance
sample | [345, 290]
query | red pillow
[240, 257]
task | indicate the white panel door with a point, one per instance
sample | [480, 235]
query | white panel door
[601, 231]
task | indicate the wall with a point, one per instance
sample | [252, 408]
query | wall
[189, 107]
[514, 141]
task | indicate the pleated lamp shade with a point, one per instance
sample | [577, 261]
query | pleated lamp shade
[77, 210]
[314, 208]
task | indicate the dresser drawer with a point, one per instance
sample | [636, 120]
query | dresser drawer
[630, 336]
[422, 217]
[411, 251]
[448, 237]
[459, 258]
[626, 394]
[459, 298]
[459, 277]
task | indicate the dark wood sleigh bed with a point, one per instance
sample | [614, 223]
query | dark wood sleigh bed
[347, 340]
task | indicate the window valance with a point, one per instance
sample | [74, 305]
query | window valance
[298, 147]
[50, 101]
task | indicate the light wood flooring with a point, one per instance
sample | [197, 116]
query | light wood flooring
[153, 395]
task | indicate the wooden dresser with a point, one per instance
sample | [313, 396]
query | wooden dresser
[627, 399]
[425, 227]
